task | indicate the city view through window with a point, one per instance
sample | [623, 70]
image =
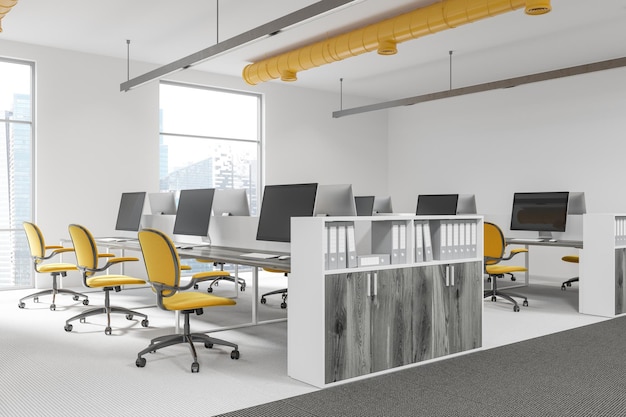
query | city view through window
[16, 171]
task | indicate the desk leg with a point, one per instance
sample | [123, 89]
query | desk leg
[255, 298]
[527, 266]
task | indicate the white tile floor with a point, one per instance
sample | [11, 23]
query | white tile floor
[40, 354]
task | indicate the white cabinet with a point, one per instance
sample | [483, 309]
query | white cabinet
[602, 266]
[346, 322]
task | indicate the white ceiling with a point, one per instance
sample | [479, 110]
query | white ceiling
[509, 45]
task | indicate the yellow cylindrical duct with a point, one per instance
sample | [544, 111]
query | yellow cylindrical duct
[5, 7]
[385, 35]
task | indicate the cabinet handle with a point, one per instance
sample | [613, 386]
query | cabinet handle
[452, 275]
[375, 284]
[369, 286]
[447, 272]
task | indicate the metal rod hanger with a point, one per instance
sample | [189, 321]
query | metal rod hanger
[508, 83]
[267, 29]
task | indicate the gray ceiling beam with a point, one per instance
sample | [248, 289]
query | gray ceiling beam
[508, 83]
[267, 29]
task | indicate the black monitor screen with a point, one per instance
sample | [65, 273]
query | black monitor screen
[437, 204]
[130, 211]
[280, 204]
[542, 212]
[364, 205]
[194, 212]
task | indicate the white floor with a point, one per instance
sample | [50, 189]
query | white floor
[47, 371]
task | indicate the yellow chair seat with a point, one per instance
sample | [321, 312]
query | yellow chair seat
[209, 274]
[113, 281]
[571, 258]
[504, 269]
[59, 267]
[194, 300]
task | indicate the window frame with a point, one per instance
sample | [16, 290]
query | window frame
[259, 141]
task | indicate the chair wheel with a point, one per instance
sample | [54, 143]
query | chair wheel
[493, 298]
[569, 284]
[513, 279]
[234, 354]
[145, 323]
[21, 305]
[195, 368]
[195, 286]
[83, 320]
[208, 345]
[140, 362]
[35, 299]
[209, 290]
[107, 330]
[516, 308]
[563, 287]
[242, 288]
[75, 298]
[68, 327]
[53, 307]
[129, 317]
[525, 303]
[283, 305]
[263, 300]
[86, 302]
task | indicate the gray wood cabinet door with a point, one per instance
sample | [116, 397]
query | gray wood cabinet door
[620, 278]
[348, 328]
[457, 316]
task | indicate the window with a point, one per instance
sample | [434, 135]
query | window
[16, 171]
[210, 138]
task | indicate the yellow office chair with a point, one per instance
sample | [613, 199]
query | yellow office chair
[216, 276]
[163, 268]
[87, 258]
[38, 250]
[573, 259]
[494, 253]
[282, 291]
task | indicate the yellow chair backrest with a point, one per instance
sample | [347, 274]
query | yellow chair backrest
[84, 247]
[494, 242]
[36, 242]
[160, 257]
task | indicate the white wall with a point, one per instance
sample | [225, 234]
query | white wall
[94, 142]
[560, 135]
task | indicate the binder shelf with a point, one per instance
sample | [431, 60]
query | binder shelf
[369, 294]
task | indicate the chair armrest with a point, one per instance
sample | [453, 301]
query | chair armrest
[514, 252]
[185, 267]
[105, 255]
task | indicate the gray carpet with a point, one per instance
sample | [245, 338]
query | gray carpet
[578, 372]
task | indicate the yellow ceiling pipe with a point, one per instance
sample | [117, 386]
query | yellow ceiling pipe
[385, 35]
[5, 7]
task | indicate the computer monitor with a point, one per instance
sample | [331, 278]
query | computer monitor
[334, 200]
[162, 203]
[466, 204]
[382, 205]
[437, 204]
[230, 202]
[364, 205]
[576, 203]
[542, 212]
[194, 212]
[130, 211]
[281, 203]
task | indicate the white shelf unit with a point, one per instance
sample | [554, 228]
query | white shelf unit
[310, 290]
[602, 266]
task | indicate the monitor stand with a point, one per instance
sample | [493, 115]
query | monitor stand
[545, 236]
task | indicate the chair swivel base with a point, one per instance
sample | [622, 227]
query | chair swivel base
[216, 282]
[568, 283]
[75, 296]
[282, 292]
[189, 338]
[494, 294]
[106, 310]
